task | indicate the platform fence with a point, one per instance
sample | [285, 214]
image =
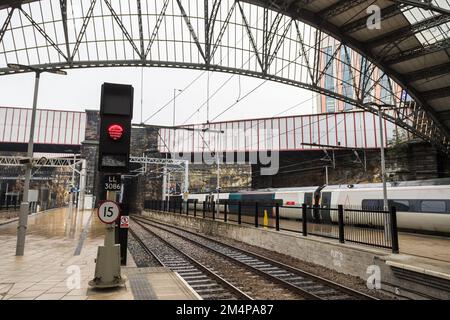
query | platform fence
[373, 227]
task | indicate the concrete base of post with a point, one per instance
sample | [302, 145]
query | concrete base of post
[107, 264]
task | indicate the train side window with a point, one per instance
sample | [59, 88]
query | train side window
[372, 204]
[400, 205]
[435, 206]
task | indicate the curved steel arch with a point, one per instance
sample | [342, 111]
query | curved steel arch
[263, 39]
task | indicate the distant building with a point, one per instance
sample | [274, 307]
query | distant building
[345, 69]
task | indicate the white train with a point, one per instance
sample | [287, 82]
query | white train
[421, 205]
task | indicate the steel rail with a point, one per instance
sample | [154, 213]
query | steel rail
[293, 288]
[233, 289]
[323, 281]
[145, 247]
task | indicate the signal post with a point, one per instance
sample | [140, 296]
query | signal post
[116, 111]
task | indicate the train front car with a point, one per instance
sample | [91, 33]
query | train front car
[422, 208]
[249, 199]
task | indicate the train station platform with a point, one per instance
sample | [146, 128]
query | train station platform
[59, 261]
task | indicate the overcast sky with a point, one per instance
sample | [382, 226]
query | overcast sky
[80, 90]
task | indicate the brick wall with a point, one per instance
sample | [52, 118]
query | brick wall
[410, 161]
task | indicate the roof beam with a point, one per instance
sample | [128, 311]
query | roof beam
[417, 52]
[339, 7]
[436, 93]
[83, 29]
[361, 23]
[122, 27]
[63, 6]
[141, 32]
[426, 5]
[13, 3]
[5, 24]
[439, 70]
[43, 33]
[318, 22]
[156, 28]
[405, 32]
[445, 115]
[187, 20]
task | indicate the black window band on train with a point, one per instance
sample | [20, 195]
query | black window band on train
[409, 205]
[435, 206]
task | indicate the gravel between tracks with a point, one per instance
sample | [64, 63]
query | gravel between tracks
[142, 258]
[344, 279]
[251, 283]
[211, 289]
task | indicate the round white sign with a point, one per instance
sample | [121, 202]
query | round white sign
[108, 212]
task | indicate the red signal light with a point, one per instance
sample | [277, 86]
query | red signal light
[115, 131]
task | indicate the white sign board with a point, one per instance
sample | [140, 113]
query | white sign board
[33, 195]
[88, 201]
[108, 212]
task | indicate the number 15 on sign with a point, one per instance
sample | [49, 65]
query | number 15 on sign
[108, 212]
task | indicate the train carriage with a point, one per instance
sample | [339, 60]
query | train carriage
[422, 206]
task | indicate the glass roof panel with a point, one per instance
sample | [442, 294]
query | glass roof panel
[431, 35]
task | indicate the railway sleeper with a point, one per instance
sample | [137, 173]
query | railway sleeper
[204, 286]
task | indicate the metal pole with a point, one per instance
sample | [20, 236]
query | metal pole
[72, 182]
[174, 98]
[326, 175]
[186, 176]
[164, 186]
[23, 216]
[394, 231]
[341, 223]
[304, 220]
[387, 226]
[383, 163]
[207, 99]
[82, 184]
[168, 185]
[186, 183]
[218, 181]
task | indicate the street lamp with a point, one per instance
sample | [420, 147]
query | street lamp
[165, 183]
[24, 206]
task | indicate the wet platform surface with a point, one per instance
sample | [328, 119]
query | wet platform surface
[59, 262]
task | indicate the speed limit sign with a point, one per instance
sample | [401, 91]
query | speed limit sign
[108, 212]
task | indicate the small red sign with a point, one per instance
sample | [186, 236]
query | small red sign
[115, 131]
[290, 203]
[124, 221]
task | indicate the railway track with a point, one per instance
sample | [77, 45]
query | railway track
[204, 281]
[306, 284]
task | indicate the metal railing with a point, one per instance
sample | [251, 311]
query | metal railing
[372, 227]
[9, 203]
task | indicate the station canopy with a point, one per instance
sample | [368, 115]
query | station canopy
[411, 46]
